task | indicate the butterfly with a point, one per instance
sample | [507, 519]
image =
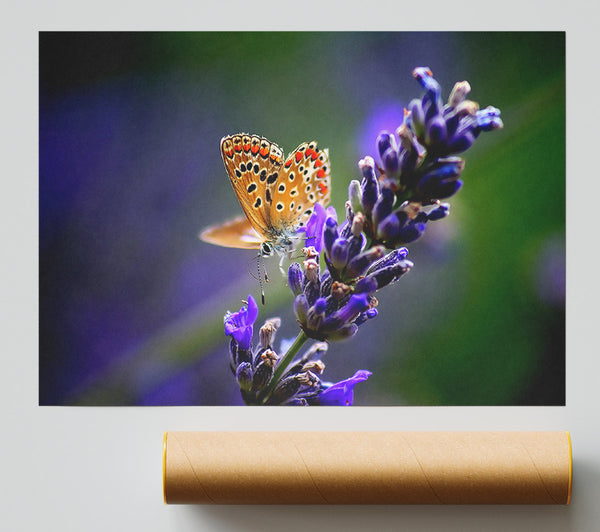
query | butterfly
[277, 194]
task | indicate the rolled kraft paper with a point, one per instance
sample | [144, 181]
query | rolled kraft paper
[367, 467]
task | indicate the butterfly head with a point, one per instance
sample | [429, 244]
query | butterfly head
[266, 249]
[280, 242]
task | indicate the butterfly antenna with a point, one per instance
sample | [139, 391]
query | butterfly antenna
[258, 264]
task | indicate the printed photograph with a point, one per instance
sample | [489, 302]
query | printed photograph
[302, 218]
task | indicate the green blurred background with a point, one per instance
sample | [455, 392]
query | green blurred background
[132, 303]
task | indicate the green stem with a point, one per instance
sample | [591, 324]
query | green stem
[282, 366]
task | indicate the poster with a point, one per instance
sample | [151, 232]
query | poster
[132, 302]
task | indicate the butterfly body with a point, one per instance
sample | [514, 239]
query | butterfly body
[277, 194]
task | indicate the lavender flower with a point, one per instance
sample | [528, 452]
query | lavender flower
[451, 128]
[340, 393]
[419, 167]
[387, 221]
[389, 207]
[239, 324]
[331, 306]
[264, 377]
[314, 227]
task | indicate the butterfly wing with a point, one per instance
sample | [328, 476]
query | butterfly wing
[304, 181]
[275, 196]
[253, 165]
[236, 233]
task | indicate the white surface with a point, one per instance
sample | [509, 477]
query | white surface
[99, 469]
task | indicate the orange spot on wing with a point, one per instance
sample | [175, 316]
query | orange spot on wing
[321, 173]
[255, 149]
[314, 155]
[308, 151]
[237, 147]
[288, 163]
[247, 146]
[318, 163]
[264, 152]
[323, 187]
[298, 157]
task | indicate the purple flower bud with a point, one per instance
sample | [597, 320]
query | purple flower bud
[370, 185]
[440, 182]
[431, 103]
[330, 235]
[364, 316]
[355, 245]
[301, 308]
[383, 206]
[439, 212]
[366, 285]
[411, 232]
[390, 274]
[339, 254]
[295, 278]
[392, 258]
[239, 324]
[447, 167]
[357, 304]
[408, 163]
[488, 119]
[342, 393]
[391, 162]
[436, 131]
[314, 227]
[244, 375]
[385, 141]
[461, 141]
[320, 305]
[425, 77]
[316, 314]
[436, 188]
[312, 291]
[359, 264]
[389, 228]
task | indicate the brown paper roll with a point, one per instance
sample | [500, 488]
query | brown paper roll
[367, 467]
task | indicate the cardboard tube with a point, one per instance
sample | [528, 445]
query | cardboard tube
[367, 467]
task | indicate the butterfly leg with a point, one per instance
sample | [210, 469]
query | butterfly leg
[282, 257]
